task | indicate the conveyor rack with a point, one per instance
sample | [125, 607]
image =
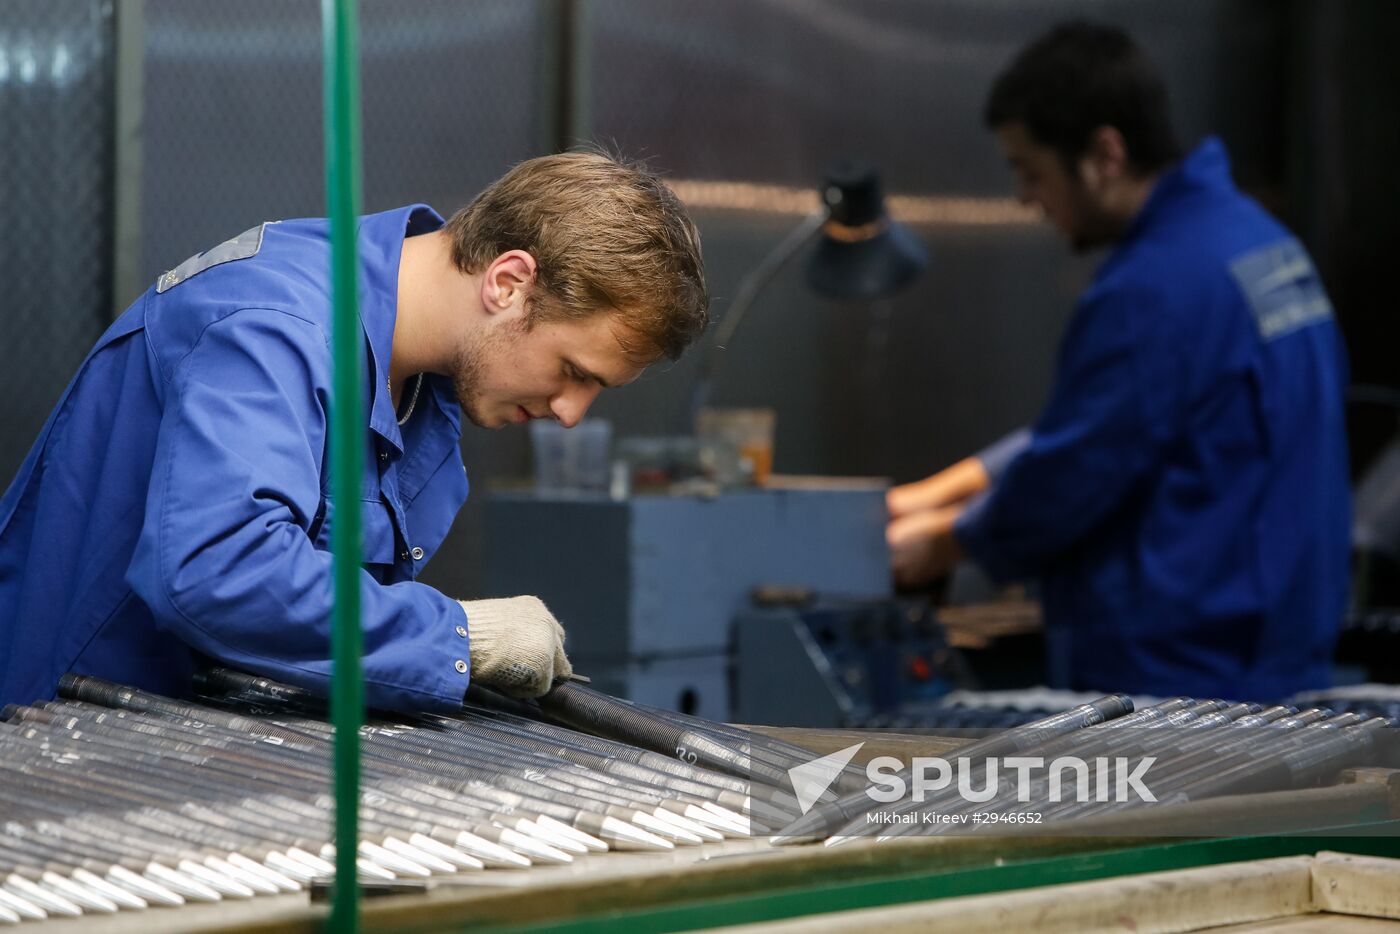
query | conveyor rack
[116, 799]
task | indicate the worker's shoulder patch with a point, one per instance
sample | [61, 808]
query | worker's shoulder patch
[1282, 288]
[242, 246]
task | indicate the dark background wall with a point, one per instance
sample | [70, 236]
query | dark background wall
[1344, 117]
[56, 152]
[759, 92]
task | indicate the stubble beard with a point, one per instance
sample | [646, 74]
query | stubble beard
[469, 368]
[466, 382]
[1094, 228]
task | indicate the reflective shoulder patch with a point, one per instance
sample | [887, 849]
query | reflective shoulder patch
[242, 246]
[1282, 288]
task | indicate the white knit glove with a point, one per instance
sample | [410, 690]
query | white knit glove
[517, 646]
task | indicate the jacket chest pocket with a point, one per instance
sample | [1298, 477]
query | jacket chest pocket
[378, 535]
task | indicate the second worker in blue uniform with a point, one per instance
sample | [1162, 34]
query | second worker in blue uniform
[1183, 496]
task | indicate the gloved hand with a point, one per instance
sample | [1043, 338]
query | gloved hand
[517, 646]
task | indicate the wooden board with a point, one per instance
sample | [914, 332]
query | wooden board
[1184, 900]
[1322, 923]
[1357, 885]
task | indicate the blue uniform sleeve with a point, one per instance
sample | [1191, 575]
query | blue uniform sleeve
[1117, 401]
[998, 455]
[225, 559]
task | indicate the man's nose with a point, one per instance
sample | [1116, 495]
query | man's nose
[570, 405]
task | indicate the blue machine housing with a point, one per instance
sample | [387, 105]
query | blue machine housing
[648, 586]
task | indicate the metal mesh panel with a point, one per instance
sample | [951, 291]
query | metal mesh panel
[233, 110]
[55, 189]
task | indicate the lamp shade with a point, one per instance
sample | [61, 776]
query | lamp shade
[862, 252]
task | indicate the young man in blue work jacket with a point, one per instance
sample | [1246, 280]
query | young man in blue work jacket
[175, 507]
[1183, 496]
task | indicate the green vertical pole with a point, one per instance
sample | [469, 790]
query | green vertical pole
[342, 112]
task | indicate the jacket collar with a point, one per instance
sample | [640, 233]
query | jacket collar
[381, 239]
[1205, 168]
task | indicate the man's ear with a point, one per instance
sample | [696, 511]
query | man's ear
[1105, 157]
[507, 282]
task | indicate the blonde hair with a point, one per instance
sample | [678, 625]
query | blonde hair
[606, 235]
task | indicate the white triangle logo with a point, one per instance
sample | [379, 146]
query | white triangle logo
[810, 781]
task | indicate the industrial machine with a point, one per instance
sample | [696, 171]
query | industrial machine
[841, 661]
[649, 586]
[757, 605]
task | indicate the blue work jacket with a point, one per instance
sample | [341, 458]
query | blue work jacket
[1184, 495]
[175, 506]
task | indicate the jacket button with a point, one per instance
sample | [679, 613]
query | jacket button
[461, 666]
[417, 553]
[462, 631]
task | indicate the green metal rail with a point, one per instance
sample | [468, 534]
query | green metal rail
[342, 138]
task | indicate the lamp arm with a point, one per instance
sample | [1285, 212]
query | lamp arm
[749, 287]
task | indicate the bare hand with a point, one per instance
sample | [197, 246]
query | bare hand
[922, 546]
[948, 487]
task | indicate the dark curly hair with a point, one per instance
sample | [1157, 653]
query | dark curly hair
[1081, 76]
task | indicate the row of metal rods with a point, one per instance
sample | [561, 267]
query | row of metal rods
[1198, 749]
[850, 810]
[757, 766]
[756, 758]
[116, 799]
[1193, 755]
[1192, 749]
[491, 716]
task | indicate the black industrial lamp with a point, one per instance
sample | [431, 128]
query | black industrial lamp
[861, 253]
